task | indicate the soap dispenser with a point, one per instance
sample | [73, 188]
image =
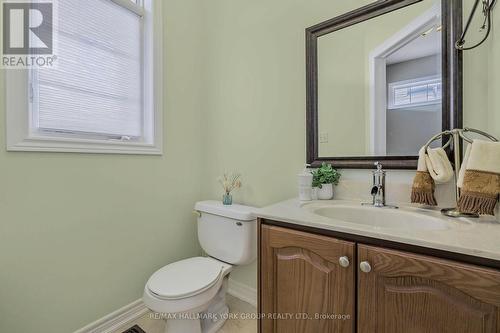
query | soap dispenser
[305, 180]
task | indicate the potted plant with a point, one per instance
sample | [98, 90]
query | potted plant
[323, 180]
[229, 183]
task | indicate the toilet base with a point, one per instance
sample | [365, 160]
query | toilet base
[218, 319]
[208, 321]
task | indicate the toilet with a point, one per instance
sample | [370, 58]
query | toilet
[190, 294]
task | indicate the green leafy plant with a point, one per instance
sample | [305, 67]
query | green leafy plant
[326, 174]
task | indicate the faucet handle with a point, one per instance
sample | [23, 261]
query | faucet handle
[380, 171]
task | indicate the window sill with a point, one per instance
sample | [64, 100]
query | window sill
[38, 144]
[414, 106]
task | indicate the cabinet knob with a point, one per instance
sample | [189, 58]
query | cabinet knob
[344, 261]
[365, 267]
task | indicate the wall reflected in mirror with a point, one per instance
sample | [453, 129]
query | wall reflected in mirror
[380, 84]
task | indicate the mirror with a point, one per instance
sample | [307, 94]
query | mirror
[380, 83]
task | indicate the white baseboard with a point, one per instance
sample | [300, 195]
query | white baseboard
[117, 319]
[137, 309]
[243, 292]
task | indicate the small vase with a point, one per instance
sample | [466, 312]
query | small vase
[227, 199]
[314, 193]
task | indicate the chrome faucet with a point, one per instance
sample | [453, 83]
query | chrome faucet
[378, 187]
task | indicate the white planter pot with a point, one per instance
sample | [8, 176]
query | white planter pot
[325, 192]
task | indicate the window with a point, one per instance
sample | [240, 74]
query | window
[417, 92]
[100, 97]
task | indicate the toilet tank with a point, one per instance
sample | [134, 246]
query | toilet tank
[227, 233]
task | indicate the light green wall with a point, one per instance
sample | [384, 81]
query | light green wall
[482, 77]
[80, 234]
[494, 76]
[342, 91]
[476, 62]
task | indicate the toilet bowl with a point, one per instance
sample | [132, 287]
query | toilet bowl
[181, 293]
[191, 294]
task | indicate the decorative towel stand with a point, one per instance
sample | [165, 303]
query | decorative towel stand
[456, 135]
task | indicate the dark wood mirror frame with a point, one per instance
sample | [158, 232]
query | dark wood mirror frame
[451, 69]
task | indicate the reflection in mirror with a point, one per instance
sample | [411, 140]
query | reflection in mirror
[380, 84]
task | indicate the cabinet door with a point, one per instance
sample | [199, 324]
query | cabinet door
[410, 293]
[304, 289]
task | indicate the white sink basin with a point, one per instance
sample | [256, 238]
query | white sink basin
[385, 218]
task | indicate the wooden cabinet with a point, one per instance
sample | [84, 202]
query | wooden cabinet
[306, 285]
[303, 285]
[405, 292]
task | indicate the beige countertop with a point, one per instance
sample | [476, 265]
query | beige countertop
[475, 237]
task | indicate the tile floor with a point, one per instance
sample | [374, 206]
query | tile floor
[236, 306]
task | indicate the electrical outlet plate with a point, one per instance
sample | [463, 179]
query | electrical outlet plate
[323, 137]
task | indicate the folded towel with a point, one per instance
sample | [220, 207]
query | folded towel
[461, 175]
[481, 180]
[422, 191]
[433, 166]
[439, 165]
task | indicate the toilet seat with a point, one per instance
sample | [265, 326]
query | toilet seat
[185, 278]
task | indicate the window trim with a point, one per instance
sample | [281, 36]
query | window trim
[20, 136]
[137, 7]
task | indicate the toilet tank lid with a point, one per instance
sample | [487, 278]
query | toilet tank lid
[235, 211]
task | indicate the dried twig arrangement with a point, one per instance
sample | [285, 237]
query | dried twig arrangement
[230, 182]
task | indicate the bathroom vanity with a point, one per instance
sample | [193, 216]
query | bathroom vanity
[337, 266]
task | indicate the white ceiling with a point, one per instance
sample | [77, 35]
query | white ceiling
[422, 46]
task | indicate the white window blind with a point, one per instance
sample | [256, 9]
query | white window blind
[97, 87]
[417, 92]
